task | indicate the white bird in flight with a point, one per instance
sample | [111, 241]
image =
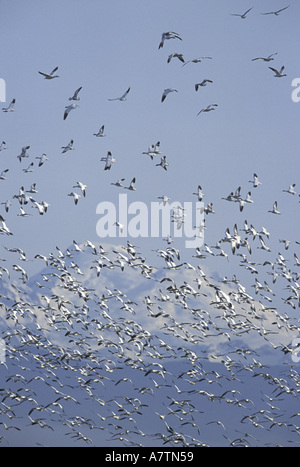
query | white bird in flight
[109, 160]
[255, 182]
[69, 147]
[122, 98]
[75, 95]
[153, 150]
[82, 187]
[76, 197]
[118, 182]
[11, 107]
[265, 59]
[163, 162]
[42, 159]
[168, 35]
[23, 153]
[50, 75]
[203, 83]
[291, 189]
[208, 108]
[100, 132]
[243, 16]
[276, 13]
[166, 92]
[2, 175]
[68, 109]
[131, 187]
[275, 210]
[278, 74]
[175, 55]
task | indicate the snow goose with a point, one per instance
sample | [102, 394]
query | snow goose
[42, 159]
[69, 147]
[168, 35]
[243, 16]
[68, 109]
[275, 210]
[11, 107]
[255, 182]
[265, 59]
[23, 153]
[131, 187]
[109, 160]
[163, 162]
[118, 182]
[203, 83]
[50, 75]
[2, 175]
[82, 187]
[166, 92]
[75, 196]
[291, 189]
[122, 98]
[100, 132]
[199, 193]
[278, 74]
[276, 13]
[75, 95]
[175, 55]
[208, 108]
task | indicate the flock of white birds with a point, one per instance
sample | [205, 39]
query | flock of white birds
[104, 349]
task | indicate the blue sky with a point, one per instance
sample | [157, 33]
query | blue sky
[106, 47]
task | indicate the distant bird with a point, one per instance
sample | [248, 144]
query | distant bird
[278, 74]
[75, 95]
[42, 159]
[163, 162]
[68, 109]
[168, 35]
[255, 182]
[164, 199]
[69, 147]
[118, 224]
[153, 150]
[23, 153]
[50, 75]
[119, 182]
[275, 210]
[40, 207]
[3, 146]
[199, 193]
[7, 205]
[203, 83]
[265, 59]
[75, 196]
[243, 16]
[82, 187]
[109, 160]
[29, 168]
[122, 98]
[276, 13]
[2, 175]
[131, 187]
[196, 60]
[175, 55]
[100, 132]
[208, 108]
[11, 107]
[166, 92]
[291, 189]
